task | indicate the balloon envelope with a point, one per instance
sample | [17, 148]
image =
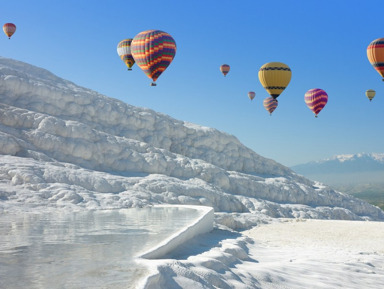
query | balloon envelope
[124, 51]
[370, 93]
[9, 29]
[275, 77]
[270, 104]
[225, 69]
[153, 51]
[251, 95]
[316, 99]
[375, 54]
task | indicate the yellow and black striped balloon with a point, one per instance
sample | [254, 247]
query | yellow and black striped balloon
[275, 77]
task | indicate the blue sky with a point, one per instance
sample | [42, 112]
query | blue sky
[323, 42]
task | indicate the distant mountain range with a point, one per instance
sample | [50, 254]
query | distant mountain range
[342, 164]
[361, 175]
[348, 169]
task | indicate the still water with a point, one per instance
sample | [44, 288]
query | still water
[92, 249]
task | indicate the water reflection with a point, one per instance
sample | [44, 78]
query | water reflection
[92, 249]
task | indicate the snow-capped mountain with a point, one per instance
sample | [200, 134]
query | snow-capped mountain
[347, 163]
[67, 147]
[360, 174]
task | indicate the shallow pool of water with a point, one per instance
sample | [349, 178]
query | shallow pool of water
[91, 249]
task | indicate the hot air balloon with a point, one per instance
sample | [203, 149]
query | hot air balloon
[225, 69]
[275, 77]
[124, 51]
[270, 104]
[251, 95]
[316, 99]
[153, 51]
[9, 29]
[370, 93]
[375, 53]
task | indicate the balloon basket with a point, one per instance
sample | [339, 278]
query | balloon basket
[153, 84]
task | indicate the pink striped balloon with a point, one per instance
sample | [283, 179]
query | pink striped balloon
[316, 99]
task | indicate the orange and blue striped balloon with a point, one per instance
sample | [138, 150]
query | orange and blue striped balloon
[153, 51]
[316, 99]
[270, 104]
[375, 54]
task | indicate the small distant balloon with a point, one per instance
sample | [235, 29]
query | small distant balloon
[225, 69]
[153, 51]
[124, 51]
[316, 99]
[270, 104]
[9, 29]
[251, 95]
[375, 54]
[275, 77]
[370, 93]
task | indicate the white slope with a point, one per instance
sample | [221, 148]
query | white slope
[292, 254]
[64, 146]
